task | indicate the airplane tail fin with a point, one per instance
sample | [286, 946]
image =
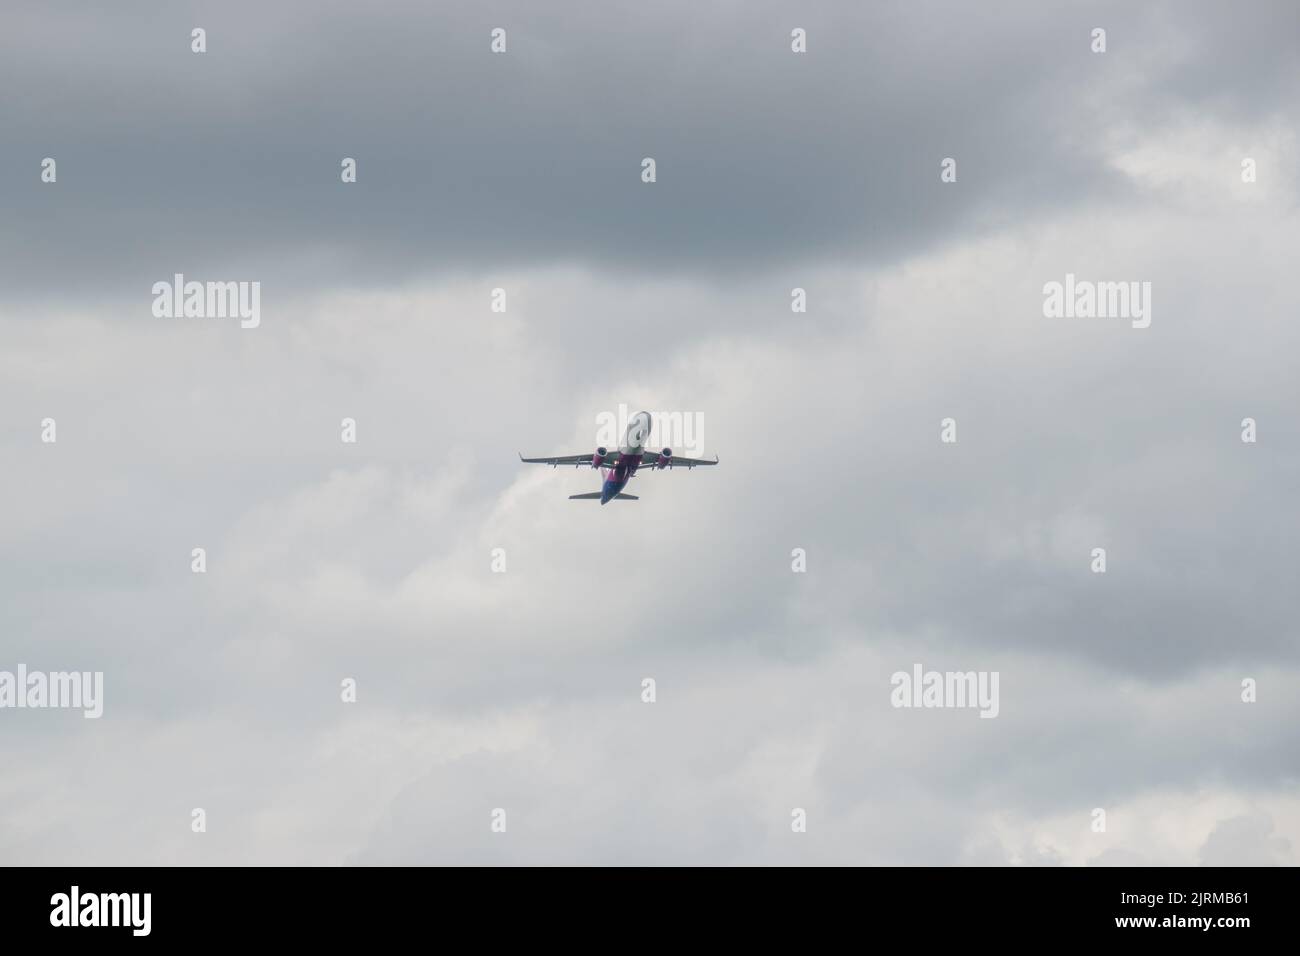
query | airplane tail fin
[595, 495]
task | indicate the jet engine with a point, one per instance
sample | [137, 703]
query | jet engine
[665, 457]
[598, 459]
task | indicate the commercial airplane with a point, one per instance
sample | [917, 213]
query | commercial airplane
[619, 467]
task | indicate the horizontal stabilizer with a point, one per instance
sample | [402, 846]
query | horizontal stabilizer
[596, 496]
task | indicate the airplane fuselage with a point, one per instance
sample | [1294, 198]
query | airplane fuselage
[629, 457]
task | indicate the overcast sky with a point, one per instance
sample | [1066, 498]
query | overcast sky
[522, 690]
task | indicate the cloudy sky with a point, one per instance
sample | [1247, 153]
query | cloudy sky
[372, 561]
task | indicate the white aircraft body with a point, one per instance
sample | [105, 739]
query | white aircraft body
[617, 468]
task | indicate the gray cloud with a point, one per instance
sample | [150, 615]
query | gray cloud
[1247, 840]
[229, 162]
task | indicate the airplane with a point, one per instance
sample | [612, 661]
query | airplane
[619, 467]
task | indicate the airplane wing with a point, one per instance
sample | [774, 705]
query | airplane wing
[649, 459]
[577, 461]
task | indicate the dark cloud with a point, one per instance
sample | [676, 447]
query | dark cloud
[228, 163]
